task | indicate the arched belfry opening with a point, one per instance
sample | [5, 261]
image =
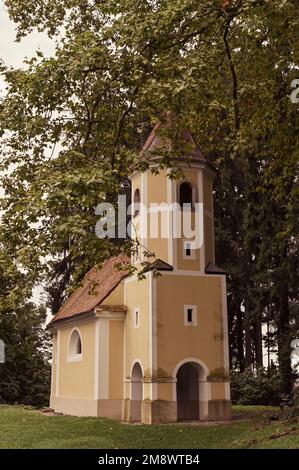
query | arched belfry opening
[186, 194]
[188, 392]
[136, 202]
[136, 392]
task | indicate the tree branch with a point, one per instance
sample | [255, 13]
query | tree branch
[233, 74]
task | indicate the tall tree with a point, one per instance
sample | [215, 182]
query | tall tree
[25, 374]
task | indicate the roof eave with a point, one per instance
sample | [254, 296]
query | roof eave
[52, 325]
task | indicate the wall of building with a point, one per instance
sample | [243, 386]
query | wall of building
[116, 362]
[76, 378]
[137, 340]
[175, 341]
[116, 298]
[54, 365]
[157, 194]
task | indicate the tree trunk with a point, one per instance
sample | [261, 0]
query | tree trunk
[240, 341]
[268, 346]
[248, 336]
[248, 345]
[284, 346]
[258, 343]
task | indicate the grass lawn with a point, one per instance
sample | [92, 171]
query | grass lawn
[22, 427]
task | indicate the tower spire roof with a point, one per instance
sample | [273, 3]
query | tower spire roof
[158, 139]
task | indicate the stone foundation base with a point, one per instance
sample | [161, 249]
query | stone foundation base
[150, 412]
[220, 410]
[87, 407]
[158, 412]
[146, 411]
[126, 410]
[110, 409]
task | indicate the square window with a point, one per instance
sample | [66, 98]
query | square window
[188, 250]
[190, 315]
[136, 318]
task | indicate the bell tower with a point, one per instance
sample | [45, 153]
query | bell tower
[173, 218]
[178, 343]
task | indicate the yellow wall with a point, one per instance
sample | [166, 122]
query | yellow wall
[165, 391]
[53, 373]
[157, 187]
[217, 390]
[137, 340]
[76, 379]
[182, 262]
[176, 341]
[116, 351]
[116, 298]
[157, 193]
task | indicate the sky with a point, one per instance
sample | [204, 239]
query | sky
[13, 53]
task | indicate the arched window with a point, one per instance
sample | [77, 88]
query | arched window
[136, 202]
[75, 346]
[185, 195]
[79, 346]
[136, 392]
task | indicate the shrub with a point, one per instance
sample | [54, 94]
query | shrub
[258, 387]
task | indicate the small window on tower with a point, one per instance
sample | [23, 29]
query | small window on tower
[136, 202]
[136, 318]
[190, 315]
[188, 250]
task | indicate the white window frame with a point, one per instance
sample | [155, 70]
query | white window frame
[136, 315]
[73, 357]
[194, 315]
[191, 243]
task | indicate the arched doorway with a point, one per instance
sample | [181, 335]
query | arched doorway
[136, 392]
[188, 392]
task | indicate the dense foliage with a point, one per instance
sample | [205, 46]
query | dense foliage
[25, 374]
[260, 388]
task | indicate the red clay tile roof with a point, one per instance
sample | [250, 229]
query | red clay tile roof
[96, 286]
[156, 140]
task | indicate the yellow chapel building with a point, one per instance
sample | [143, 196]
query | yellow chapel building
[153, 350]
